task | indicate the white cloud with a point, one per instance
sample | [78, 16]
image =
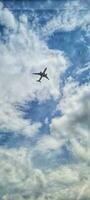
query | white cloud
[17, 177]
[74, 124]
[47, 143]
[20, 179]
[6, 17]
[64, 175]
[72, 15]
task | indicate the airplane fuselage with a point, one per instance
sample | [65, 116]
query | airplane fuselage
[43, 74]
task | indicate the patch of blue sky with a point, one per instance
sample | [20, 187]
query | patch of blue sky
[12, 140]
[8, 139]
[22, 4]
[2, 32]
[70, 43]
[40, 112]
[44, 16]
[74, 48]
[83, 77]
[54, 158]
[36, 4]
[4, 36]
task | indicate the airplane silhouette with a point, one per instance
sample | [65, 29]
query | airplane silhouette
[42, 74]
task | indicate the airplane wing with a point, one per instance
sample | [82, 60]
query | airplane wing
[36, 73]
[39, 79]
[44, 70]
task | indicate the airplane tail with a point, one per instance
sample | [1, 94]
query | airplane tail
[47, 77]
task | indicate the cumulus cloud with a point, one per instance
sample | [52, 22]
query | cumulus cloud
[73, 128]
[75, 120]
[6, 17]
[20, 179]
[18, 176]
[47, 143]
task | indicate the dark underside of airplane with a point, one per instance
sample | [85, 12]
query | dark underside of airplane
[42, 75]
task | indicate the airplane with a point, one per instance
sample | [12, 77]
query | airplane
[42, 74]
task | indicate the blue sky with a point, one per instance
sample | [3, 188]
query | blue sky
[45, 128]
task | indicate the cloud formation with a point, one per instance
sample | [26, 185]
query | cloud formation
[23, 53]
[43, 171]
[69, 181]
[6, 17]
[73, 15]
[75, 120]
[23, 181]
